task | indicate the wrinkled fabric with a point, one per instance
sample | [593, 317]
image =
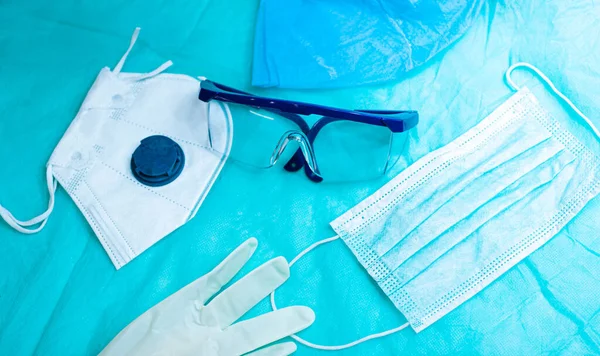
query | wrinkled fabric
[59, 292]
[333, 43]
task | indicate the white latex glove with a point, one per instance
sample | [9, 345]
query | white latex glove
[183, 324]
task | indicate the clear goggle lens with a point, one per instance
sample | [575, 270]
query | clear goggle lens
[341, 150]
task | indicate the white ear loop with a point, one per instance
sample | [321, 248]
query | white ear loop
[512, 84]
[121, 63]
[332, 347]
[22, 226]
[134, 38]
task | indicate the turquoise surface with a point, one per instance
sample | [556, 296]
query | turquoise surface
[59, 292]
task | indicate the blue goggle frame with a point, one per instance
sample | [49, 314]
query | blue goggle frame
[395, 120]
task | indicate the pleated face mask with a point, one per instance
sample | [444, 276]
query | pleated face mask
[136, 159]
[457, 219]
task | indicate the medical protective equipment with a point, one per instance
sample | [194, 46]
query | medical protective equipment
[93, 161]
[48, 53]
[341, 145]
[457, 219]
[187, 324]
[332, 43]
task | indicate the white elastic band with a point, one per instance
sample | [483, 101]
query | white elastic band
[157, 71]
[332, 347]
[512, 84]
[42, 218]
[134, 38]
[121, 63]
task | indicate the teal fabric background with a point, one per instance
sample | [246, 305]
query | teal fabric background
[59, 292]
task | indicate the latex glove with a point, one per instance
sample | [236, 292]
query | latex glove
[183, 324]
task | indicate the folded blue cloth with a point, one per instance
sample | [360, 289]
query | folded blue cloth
[333, 43]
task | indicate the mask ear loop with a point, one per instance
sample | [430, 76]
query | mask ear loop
[121, 63]
[512, 84]
[21, 226]
[332, 347]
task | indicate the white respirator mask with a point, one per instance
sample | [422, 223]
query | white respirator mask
[136, 159]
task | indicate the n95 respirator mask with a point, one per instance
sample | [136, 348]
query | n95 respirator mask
[136, 160]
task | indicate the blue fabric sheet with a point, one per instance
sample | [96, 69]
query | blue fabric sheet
[59, 292]
[339, 43]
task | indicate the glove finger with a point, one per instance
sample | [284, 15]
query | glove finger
[212, 282]
[251, 334]
[240, 297]
[283, 349]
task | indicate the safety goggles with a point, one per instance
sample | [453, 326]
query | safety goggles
[341, 145]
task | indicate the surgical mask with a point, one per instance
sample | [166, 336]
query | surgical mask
[457, 219]
[127, 207]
